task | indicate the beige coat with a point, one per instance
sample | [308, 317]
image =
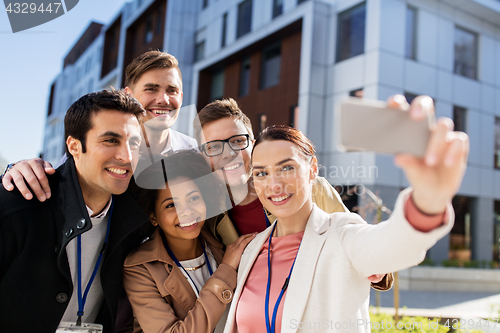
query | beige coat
[161, 297]
[328, 289]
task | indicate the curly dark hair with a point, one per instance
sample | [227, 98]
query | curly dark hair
[184, 163]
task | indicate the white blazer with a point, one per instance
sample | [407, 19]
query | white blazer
[329, 289]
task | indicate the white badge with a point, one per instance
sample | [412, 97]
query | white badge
[84, 328]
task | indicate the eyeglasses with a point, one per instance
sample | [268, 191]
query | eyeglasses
[216, 147]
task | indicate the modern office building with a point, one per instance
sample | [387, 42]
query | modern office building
[292, 61]
[80, 75]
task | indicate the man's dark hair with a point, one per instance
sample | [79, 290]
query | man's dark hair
[78, 119]
[189, 164]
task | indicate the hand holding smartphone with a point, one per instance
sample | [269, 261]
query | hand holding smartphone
[370, 125]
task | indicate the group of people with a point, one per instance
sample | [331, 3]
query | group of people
[222, 232]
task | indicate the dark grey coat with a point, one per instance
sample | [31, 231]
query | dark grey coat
[35, 279]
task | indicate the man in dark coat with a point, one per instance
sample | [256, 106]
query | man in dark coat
[39, 248]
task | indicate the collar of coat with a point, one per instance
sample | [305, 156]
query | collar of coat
[71, 212]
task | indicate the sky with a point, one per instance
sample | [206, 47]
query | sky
[29, 63]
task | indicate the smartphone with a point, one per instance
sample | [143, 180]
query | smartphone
[369, 125]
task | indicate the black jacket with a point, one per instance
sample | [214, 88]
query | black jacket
[35, 279]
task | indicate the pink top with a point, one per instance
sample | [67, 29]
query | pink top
[251, 305]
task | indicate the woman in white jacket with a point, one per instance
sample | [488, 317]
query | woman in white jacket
[307, 271]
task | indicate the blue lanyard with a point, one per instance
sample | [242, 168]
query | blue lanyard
[271, 326]
[172, 255]
[82, 300]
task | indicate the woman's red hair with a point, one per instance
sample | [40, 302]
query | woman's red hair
[287, 133]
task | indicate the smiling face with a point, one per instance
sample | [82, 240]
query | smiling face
[282, 178]
[180, 210]
[112, 150]
[233, 168]
[159, 91]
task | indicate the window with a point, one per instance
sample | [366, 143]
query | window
[134, 39]
[277, 8]
[244, 18]
[224, 28]
[496, 232]
[199, 48]
[51, 98]
[460, 118]
[148, 31]
[497, 143]
[271, 63]
[411, 33]
[461, 233]
[351, 32]
[158, 20]
[245, 77]
[199, 51]
[294, 116]
[465, 53]
[262, 122]
[112, 39]
[356, 93]
[217, 89]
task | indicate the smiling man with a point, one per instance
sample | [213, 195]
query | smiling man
[155, 80]
[60, 260]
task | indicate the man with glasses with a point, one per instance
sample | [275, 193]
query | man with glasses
[226, 139]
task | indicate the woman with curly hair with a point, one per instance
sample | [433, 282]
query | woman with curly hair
[180, 280]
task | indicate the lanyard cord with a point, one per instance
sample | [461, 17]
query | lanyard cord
[172, 255]
[271, 326]
[83, 300]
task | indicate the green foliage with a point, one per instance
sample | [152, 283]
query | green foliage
[451, 263]
[428, 262]
[469, 263]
